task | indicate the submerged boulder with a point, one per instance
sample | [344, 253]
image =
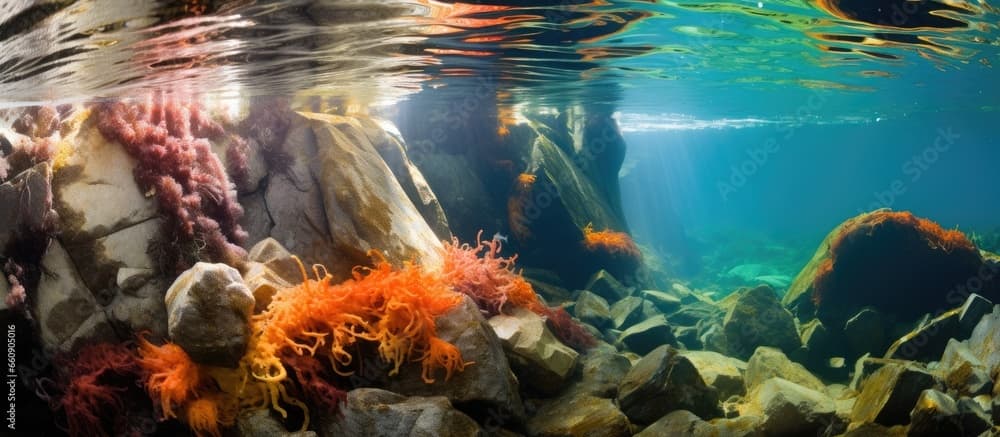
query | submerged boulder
[579, 416]
[664, 381]
[901, 265]
[647, 335]
[758, 319]
[768, 362]
[208, 314]
[890, 393]
[375, 412]
[593, 309]
[539, 359]
[937, 414]
[790, 409]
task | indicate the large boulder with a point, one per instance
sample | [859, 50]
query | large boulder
[338, 199]
[719, 371]
[758, 319]
[538, 358]
[208, 314]
[66, 311]
[579, 416]
[375, 412]
[899, 264]
[26, 204]
[664, 381]
[605, 285]
[790, 409]
[937, 414]
[890, 393]
[601, 370]
[768, 362]
[647, 335]
[593, 309]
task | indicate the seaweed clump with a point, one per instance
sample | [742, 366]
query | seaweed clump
[168, 137]
[317, 321]
[610, 242]
[491, 281]
[91, 387]
[894, 261]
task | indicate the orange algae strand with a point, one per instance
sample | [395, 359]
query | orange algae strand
[609, 241]
[172, 377]
[205, 415]
[395, 309]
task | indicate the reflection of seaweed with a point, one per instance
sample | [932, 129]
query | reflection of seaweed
[490, 280]
[167, 137]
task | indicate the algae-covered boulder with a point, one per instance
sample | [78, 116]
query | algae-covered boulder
[579, 416]
[664, 381]
[208, 314]
[899, 264]
[539, 359]
[758, 319]
[889, 394]
[790, 409]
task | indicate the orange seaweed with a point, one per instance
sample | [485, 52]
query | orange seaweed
[395, 309]
[204, 415]
[612, 242]
[172, 377]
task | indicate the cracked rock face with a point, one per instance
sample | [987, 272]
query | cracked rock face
[208, 314]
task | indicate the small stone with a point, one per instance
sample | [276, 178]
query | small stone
[208, 314]
[719, 371]
[263, 284]
[790, 409]
[375, 412]
[888, 395]
[758, 319]
[664, 381]
[582, 416]
[768, 362]
[648, 335]
[864, 332]
[626, 312]
[277, 259]
[665, 302]
[606, 286]
[539, 359]
[593, 309]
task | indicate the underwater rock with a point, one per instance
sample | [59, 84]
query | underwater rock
[665, 302]
[719, 371]
[864, 333]
[538, 358]
[972, 311]
[100, 260]
[643, 337]
[593, 309]
[769, 362]
[965, 375]
[790, 409]
[758, 319]
[899, 264]
[261, 423]
[488, 384]
[694, 313]
[139, 307]
[887, 396]
[875, 430]
[390, 146]
[96, 171]
[66, 311]
[256, 220]
[985, 342]
[579, 416]
[664, 381]
[270, 268]
[626, 312]
[606, 286]
[601, 370]
[365, 206]
[816, 341]
[208, 314]
[375, 412]
[937, 414]
[689, 337]
[22, 210]
[679, 423]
